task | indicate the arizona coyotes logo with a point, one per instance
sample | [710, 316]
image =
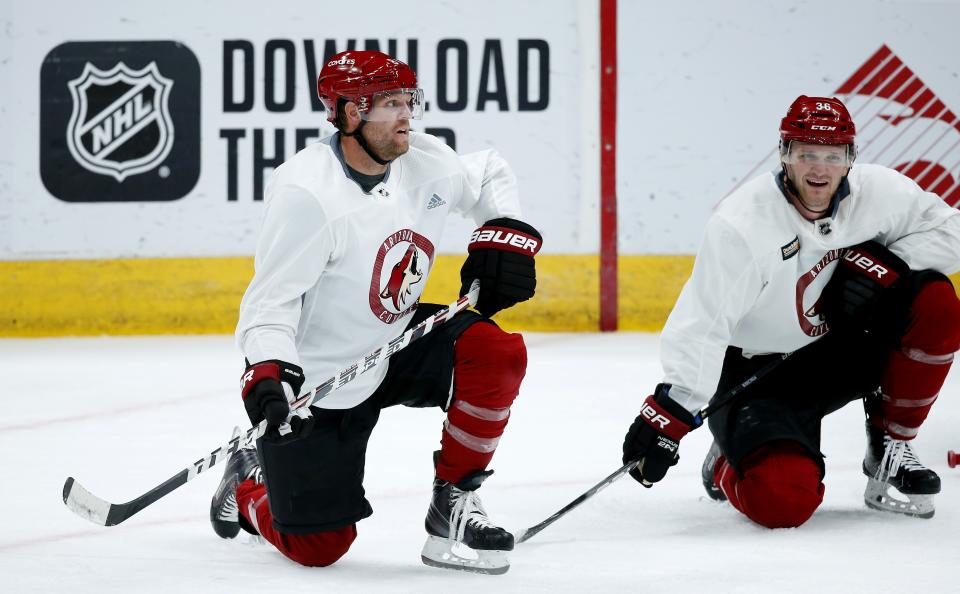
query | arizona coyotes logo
[810, 318]
[405, 273]
[901, 123]
[399, 274]
[120, 124]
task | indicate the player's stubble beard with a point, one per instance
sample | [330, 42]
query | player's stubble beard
[814, 200]
[383, 140]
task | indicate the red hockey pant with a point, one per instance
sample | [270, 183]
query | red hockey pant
[780, 486]
[915, 372]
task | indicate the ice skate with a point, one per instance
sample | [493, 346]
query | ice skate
[706, 473]
[459, 533]
[891, 463]
[224, 517]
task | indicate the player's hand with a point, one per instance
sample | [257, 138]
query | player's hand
[654, 437]
[865, 282]
[501, 255]
[267, 387]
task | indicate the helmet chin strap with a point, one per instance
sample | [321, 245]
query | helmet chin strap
[358, 136]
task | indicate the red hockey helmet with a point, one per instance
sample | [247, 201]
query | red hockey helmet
[359, 75]
[817, 120]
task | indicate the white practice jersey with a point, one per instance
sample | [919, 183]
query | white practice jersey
[339, 271]
[761, 268]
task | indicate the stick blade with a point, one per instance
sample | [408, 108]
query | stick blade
[521, 536]
[84, 503]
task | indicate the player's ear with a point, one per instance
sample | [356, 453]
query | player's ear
[351, 117]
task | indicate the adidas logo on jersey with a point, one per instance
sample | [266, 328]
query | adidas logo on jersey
[435, 201]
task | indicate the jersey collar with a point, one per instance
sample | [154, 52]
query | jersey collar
[338, 152]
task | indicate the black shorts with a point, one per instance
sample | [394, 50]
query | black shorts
[789, 403]
[315, 484]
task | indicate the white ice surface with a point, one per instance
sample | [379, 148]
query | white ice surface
[123, 414]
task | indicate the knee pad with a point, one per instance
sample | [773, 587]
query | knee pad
[319, 549]
[915, 372]
[934, 322]
[779, 488]
[489, 365]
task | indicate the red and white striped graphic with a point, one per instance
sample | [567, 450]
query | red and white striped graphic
[901, 123]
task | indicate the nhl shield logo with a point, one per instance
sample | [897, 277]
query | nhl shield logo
[120, 125]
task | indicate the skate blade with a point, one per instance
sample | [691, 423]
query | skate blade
[877, 496]
[438, 552]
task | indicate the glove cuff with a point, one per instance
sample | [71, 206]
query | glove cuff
[876, 262]
[665, 416]
[279, 371]
[507, 235]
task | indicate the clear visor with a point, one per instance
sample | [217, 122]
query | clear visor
[833, 155]
[399, 104]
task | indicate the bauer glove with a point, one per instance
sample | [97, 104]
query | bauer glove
[863, 289]
[654, 437]
[501, 255]
[264, 397]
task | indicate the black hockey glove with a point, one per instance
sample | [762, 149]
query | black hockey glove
[863, 289]
[501, 255]
[263, 397]
[654, 437]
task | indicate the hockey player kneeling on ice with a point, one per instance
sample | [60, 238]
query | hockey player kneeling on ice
[349, 237]
[842, 267]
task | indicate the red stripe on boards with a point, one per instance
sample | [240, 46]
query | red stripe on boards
[608, 165]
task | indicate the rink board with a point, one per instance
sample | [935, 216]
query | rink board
[202, 295]
[87, 249]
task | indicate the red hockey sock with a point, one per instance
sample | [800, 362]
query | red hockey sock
[780, 486]
[313, 550]
[916, 371]
[489, 365]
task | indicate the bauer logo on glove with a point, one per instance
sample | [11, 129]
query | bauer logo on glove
[653, 417]
[486, 237]
[501, 256]
[881, 274]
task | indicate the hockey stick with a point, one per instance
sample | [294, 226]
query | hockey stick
[706, 411]
[99, 511]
